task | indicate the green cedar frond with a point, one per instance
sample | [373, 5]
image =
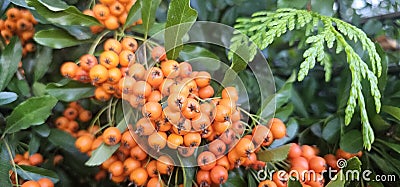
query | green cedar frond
[321, 31]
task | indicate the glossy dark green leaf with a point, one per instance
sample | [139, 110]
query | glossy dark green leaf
[43, 59]
[234, 179]
[156, 28]
[34, 144]
[324, 8]
[68, 16]
[284, 112]
[292, 4]
[21, 3]
[180, 19]
[42, 130]
[134, 14]
[392, 110]
[5, 166]
[149, 14]
[62, 140]
[79, 32]
[331, 130]
[274, 155]
[9, 59]
[339, 182]
[57, 38]
[54, 5]
[70, 90]
[292, 128]
[293, 182]
[192, 51]
[351, 141]
[250, 180]
[38, 89]
[4, 6]
[36, 173]
[7, 97]
[19, 86]
[188, 172]
[33, 111]
[101, 154]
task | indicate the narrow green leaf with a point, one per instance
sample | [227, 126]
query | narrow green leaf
[352, 141]
[101, 154]
[34, 144]
[9, 59]
[43, 59]
[235, 179]
[4, 6]
[57, 38]
[7, 97]
[393, 111]
[133, 15]
[19, 86]
[68, 16]
[42, 130]
[36, 173]
[250, 179]
[70, 90]
[5, 166]
[33, 111]
[188, 172]
[395, 147]
[21, 3]
[149, 14]
[54, 5]
[273, 155]
[331, 131]
[180, 19]
[293, 182]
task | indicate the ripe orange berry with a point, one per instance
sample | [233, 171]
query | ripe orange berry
[299, 162]
[129, 43]
[112, 136]
[109, 59]
[206, 92]
[139, 176]
[101, 94]
[154, 77]
[267, 183]
[70, 113]
[68, 69]
[170, 68]
[318, 164]
[206, 160]
[203, 79]
[114, 75]
[203, 178]
[186, 151]
[277, 127]
[165, 165]
[280, 178]
[230, 93]
[142, 89]
[45, 182]
[30, 184]
[155, 182]
[185, 70]
[127, 140]
[36, 159]
[101, 12]
[126, 58]
[84, 143]
[112, 45]
[307, 152]
[174, 140]
[152, 168]
[136, 71]
[13, 14]
[152, 110]
[24, 25]
[117, 8]
[98, 73]
[157, 140]
[138, 153]
[222, 113]
[219, 175]
[85, 116]
[62, 122]
[158, 53]
[244, 147]
[294, 151]
[116, 168]
[192, 139]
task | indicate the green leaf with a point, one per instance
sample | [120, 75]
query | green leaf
[273, 155]
[57, 38]
[33, 111]
[200, 58]
[42, 130]
[339, 182]
[21, 3]
[4, 6]
[393, 111]
[5, 166]
[353, 164]
[19, 86]
[149, 14]
[70, 90]
[62, 140]
[101, 154]
[395, 147]
[43, 59]
[36, 173]
[54, 5]
[250, 179]
[352, 141]
[324, 8]
[331, 131]
[180, 19]
[68, 16]
[38, 89]
[299, 4]
[10, 57]
[133, 15]
[7, 97]
[293, 182]
[234, 179]
[34, 144]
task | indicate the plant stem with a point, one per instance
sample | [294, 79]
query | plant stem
[97, 41]
[12, 161]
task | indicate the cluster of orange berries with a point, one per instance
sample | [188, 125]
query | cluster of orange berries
[106, 72]
[111, 14]
[68, 121]
[19, 22]
[35, 159]
[307, 166]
